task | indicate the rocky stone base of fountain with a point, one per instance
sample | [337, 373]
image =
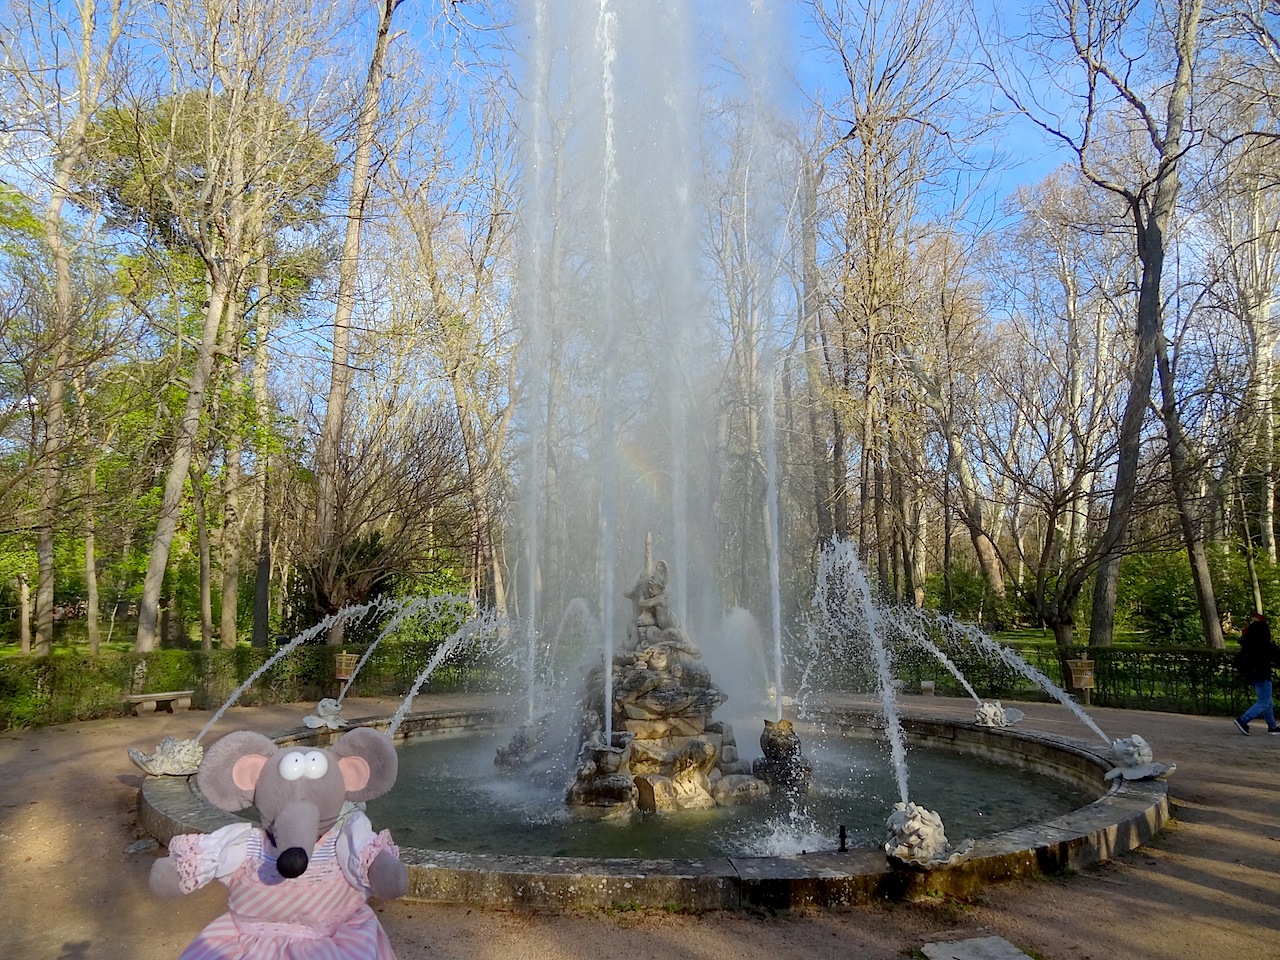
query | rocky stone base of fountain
[665, 744]
[668, 754]
[528, 747]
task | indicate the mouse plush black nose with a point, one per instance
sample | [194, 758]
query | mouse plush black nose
[292, 863]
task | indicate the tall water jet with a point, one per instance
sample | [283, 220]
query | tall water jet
[844, 600]
[850, 616]
[485, 627]
[455, 607]
[774, 531]
[634, 402]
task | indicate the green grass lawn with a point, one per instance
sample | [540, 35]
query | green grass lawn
[71, 638]
[1122, 637]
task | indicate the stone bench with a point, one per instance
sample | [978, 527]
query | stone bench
[169, 702]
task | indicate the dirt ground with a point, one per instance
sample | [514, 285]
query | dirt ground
[74, 874]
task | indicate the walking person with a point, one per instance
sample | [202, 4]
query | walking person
[1254, 661]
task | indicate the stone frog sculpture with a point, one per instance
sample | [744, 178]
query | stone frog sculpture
[782, 765]
[297, 885]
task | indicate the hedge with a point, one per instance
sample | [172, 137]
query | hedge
[38, 691]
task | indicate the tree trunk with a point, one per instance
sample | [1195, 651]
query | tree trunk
[327, 507]
[811, 280]
[24, 613]
[53, 409]
[971, 511]
[1102, 619]
[206, 575]
[1259, 308]
[231, 540]
[883, 574]
[262, 451]
[839, 476]
[970, 498]
[1063, 633]
[90, 555]
[179, 465]
[1150, 220]
[1182, 471]
[262, 574]
[1151, 250]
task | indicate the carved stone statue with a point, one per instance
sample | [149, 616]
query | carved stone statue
[669, 752]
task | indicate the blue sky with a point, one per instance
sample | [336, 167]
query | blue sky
[1029, 155]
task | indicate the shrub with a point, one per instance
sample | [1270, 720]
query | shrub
[38, 691]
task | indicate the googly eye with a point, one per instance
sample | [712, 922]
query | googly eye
[317, 765]
[293, 765]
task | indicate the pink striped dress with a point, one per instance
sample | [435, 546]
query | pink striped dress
[321, 915]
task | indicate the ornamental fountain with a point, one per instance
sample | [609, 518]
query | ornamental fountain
[665, 753]
[623, 430]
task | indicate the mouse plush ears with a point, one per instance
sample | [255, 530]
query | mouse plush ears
[229, 774]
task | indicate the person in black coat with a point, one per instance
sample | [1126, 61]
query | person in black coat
[1254, 662]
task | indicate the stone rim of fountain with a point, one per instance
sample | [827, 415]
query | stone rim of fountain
[1126, 815]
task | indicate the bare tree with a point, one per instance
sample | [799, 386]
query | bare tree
[940, 365]
[1060, 274]
[402, 479]
[1236, 208]
[457, 215]
[900, 160]
[330, 444]
[1100, 80]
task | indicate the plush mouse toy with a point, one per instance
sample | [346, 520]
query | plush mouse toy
[296, 886]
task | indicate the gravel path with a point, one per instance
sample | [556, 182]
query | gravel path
[75, 876]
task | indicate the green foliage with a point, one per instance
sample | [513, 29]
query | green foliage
[38, 691]
[1234, 591]
[149, 168]
[20, 228]
[1156, 593]
[971, 597]
[1157, 596]
[17, 556]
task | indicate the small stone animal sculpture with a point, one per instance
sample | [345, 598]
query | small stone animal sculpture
[782, 765]
[297, 885]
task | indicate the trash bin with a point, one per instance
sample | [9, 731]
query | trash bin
[345, 665]
[1081, 676]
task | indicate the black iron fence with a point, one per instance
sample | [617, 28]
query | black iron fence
[37, 691]
[1174, 679]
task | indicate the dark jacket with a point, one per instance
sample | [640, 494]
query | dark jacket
[1257, 652]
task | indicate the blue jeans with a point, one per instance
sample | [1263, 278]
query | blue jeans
[1263, 706]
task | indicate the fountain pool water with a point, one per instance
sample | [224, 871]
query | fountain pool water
[449, 796]
[1031, 803]
[1125, 816]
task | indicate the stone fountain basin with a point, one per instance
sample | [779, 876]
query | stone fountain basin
[1126, 814]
